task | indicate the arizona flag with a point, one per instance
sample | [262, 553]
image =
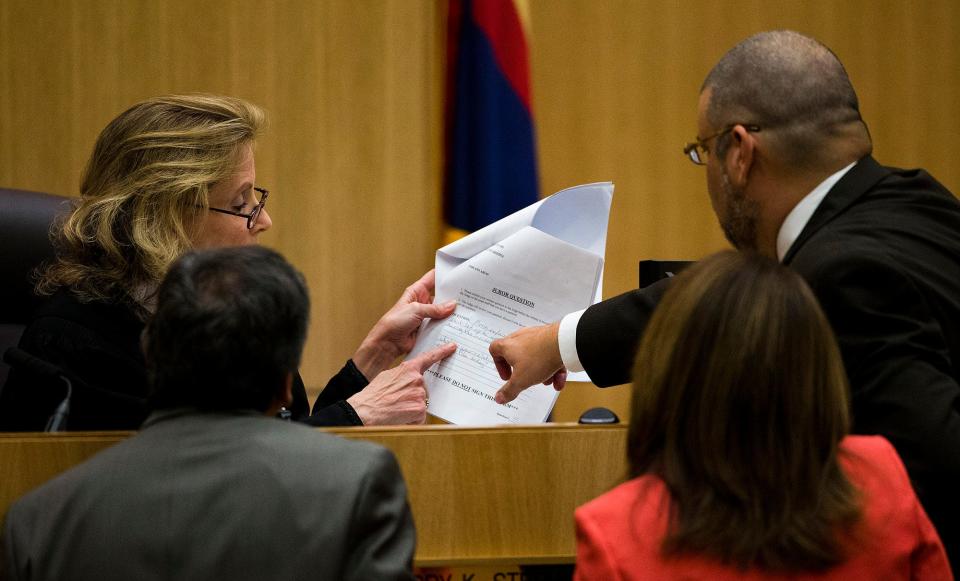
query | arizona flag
[491, 161]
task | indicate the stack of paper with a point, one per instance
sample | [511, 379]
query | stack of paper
[530, 268]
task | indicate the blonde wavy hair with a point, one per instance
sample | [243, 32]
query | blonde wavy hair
[142, 191]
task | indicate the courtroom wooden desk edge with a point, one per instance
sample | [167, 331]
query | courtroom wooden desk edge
[499, 495]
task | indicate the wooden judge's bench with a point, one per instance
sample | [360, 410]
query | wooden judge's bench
[480, 496]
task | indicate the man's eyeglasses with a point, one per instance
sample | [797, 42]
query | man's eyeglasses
[254, 213]
[698, 150]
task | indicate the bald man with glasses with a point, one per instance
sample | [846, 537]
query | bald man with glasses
[790, 175]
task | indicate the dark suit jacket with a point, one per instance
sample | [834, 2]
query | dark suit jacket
[882, 254]
[97, 345]
[217, 496]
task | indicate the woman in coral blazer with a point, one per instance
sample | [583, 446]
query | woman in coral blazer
[740, 463]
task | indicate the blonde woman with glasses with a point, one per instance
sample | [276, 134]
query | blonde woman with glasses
[168, 175]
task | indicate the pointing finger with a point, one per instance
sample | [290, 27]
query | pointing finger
[507, 393]
[426, 359]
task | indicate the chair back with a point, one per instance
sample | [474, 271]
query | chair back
[25, 222]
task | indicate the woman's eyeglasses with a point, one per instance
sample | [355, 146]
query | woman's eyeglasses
[254, 213]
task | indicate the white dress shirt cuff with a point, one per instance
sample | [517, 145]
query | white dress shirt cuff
[567, 339]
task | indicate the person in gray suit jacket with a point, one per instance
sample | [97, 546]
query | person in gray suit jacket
[214, 486]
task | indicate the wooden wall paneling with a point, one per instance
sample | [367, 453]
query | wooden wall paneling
[379, 193]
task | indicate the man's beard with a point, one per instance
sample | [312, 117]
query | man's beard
[739, 221]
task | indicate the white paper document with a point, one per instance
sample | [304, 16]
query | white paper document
[530, 268]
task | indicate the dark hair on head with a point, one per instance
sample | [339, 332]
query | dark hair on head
[791, 85]
[230, 325]
[740, 402]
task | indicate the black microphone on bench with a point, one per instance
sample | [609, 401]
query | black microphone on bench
[16, 357]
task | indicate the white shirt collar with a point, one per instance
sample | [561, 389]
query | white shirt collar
[801, 213]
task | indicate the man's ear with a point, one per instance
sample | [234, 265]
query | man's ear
[283, 396]
[740, 154]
